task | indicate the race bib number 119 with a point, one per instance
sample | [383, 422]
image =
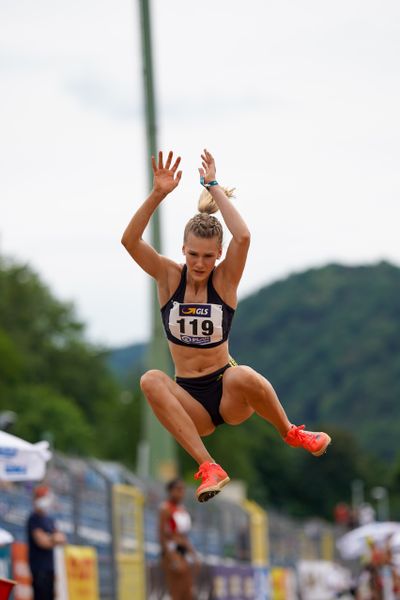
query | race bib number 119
[196, 323]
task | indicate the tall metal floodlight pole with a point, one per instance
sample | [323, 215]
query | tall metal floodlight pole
[158, 448]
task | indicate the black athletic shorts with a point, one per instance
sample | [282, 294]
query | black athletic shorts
[207, 390]
[181, 549]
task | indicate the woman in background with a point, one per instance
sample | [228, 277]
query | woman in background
[177, 553]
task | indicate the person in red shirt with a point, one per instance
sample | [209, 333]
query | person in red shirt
[342, 514]
[177, 553]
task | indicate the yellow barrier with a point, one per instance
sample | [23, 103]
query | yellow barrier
[129, 542]
[258, 533]
[328, 546]
[278, 583]
[81, 572]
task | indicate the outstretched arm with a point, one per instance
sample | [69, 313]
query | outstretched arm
[236, 254]
[166, 179]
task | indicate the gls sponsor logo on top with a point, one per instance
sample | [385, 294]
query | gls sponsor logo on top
[195, 310]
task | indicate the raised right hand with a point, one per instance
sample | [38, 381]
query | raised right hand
[166, 178]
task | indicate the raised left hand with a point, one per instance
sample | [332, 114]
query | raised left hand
[209, 170]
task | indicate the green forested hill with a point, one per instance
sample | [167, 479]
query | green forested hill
[329, 341]
[128, 361]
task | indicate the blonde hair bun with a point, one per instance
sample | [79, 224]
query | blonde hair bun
[207, 203]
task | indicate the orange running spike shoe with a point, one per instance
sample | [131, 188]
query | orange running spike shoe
[314, 442]
[213, 477]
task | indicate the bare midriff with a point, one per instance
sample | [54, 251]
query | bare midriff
[197, 362]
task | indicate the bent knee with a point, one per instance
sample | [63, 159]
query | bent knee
[205, 431]
[241, 376]
[151, 380]
[238, 420]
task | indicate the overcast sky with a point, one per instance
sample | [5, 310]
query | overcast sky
[298, 100]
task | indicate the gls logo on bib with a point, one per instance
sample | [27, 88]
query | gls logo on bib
[195, 310]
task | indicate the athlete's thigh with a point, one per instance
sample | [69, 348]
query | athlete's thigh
[194, 409]
[177, 575]
[187, 583]
[172, 579]
[238, 382]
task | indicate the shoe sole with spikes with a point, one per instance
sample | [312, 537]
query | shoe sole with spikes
[324, 447]
[212, 490]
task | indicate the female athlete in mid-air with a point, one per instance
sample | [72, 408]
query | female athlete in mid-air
[198, 302]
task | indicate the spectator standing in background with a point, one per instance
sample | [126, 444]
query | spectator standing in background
[42, 539]
[342, 515]
[177, 552]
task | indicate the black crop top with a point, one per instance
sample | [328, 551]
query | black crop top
[197, 325]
